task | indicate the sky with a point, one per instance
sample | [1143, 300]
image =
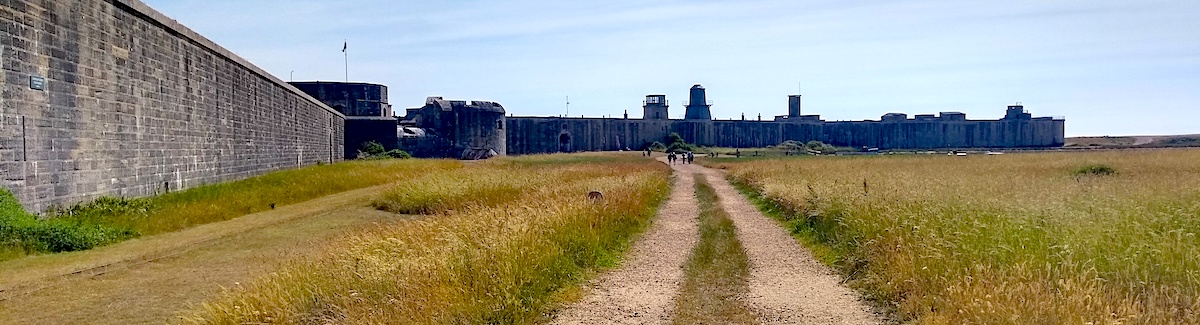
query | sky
[1108, 67]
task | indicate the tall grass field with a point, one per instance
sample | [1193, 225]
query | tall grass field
[500, 242]
[1045, 238]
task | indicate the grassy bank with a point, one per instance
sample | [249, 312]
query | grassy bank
[107, 220]
[716, 271]
[526, 232]
[1013, 239]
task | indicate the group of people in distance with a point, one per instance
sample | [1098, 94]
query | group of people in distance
[686, 157]
[683, 157]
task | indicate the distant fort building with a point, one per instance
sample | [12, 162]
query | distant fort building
[474, 129]
[480, 128]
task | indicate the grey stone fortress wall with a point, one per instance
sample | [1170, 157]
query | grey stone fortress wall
[532, 135]
[113, 98]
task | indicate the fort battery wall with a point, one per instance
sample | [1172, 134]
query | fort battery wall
[113, 98]
[531, 135]
[1018, 129]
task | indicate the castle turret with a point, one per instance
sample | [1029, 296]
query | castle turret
[698, 107]
[655, 107]
[794, 106]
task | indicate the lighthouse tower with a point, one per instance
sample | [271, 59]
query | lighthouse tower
[698, 107]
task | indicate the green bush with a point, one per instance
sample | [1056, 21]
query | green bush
[1095, 170]
[790, 145]
[675, 143]
[655, 146]
[374, 150]
[22, 233]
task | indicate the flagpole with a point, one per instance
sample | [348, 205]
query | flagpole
[346, 57]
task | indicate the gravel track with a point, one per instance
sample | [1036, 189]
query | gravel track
[642, 289]
[787, 285]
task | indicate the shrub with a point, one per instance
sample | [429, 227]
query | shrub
[657, 146]
[22, 233]
[374, 150]
[1094, 169]
[675, 143]
[679, 147]
[790, 145]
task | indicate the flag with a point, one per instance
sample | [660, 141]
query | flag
[344, 45]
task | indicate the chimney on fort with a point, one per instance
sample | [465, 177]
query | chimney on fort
[793, 106]
[655, 107]
[698, 107]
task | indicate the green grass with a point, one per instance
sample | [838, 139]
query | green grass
[107, 220]
[1013, 239]
[716, 271]
[495, 261]
[22, 233]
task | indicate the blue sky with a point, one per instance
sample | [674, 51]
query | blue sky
[1109, 67]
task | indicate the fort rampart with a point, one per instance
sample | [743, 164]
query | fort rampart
[531, 135]
[113, 98]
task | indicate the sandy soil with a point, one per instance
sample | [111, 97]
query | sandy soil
[151, 279]
[642, 289]
[787, 285]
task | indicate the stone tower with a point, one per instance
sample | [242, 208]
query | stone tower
[698, 107]
[655, 107]
[793, 106]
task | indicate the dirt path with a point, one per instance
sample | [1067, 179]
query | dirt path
[151, 279]
[642, 289]
[787, 285]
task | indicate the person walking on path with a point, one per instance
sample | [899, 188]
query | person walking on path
[691, 157]
[671, 158]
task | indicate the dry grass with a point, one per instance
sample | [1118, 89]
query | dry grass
[716, 270]
[1014, 239]
[224, 201]
[499, 261]
[110, 220]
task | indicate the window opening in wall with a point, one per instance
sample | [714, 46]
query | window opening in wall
[499, 125]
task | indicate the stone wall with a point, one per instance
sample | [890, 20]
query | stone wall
[531, 135]
[134, 104]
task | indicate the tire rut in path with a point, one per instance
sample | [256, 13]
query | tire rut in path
[787, 285]
[642, 289]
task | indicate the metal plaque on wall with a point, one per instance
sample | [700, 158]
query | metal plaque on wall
[37, 83]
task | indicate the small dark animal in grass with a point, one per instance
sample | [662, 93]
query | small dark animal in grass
[595, 196]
